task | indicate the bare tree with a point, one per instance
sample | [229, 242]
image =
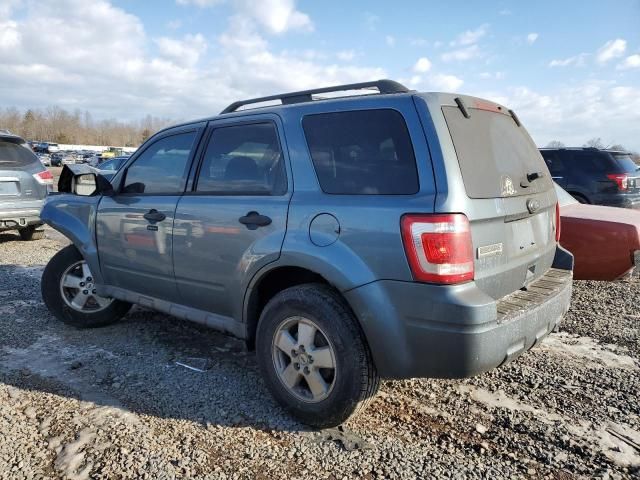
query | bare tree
[56, 124]
[595, 142]
[555, 144]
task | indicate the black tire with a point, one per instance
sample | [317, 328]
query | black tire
[52, 295]
[31, 233]
[581, 198]
[356, 380]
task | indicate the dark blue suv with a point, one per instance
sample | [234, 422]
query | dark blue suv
[591, 175]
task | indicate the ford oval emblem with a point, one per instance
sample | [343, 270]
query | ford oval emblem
[533, 206]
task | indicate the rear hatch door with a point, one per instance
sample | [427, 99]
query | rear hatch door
[18, 164]
[511, 201]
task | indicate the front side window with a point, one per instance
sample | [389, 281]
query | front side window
[365, 152]
[162, 167]
[243, 160]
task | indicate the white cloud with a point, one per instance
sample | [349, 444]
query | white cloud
[492, 76]
[185, 52]
[422, 65]
[276, 16]
[470, 37]
[577, 112]
[504, 12]
[346, 55]
[632, 61]
[371, 21]
[460, 54]
[611, 49]
[59, 49]
[418, 42]
[390, 40]
[449, 83]
[575, 61]
[531, 38]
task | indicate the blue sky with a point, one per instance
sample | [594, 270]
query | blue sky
[570, 69]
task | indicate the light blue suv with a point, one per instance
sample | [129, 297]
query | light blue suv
[389, 235]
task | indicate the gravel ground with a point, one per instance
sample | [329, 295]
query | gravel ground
[113, 402]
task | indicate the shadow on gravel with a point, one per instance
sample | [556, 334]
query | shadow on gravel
[148, 363]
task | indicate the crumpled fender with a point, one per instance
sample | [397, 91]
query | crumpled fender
[74, 216]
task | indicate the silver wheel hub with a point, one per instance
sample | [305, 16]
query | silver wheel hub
[78, 289]
[304, 359]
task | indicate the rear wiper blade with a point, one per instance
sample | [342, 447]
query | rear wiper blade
[531, 177]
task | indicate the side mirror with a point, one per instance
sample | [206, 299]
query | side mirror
[83, 180]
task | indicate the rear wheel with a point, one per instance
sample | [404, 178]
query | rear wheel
[31, 233]
[314, 357]
[580, 198]
[69, 292]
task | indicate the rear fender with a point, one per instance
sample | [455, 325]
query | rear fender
[74, 216]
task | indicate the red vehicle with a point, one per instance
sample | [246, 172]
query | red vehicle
[605, 241]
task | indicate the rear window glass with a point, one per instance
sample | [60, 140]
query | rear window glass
[366, 152]
[624, 162]
[14, 155]
[495, 155]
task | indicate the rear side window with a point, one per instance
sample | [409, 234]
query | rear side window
[366, 152]
[495, 154]
[15, 155]
[162, 167]
[554, 163]
[243, 160]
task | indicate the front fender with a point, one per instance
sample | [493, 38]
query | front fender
[74, 216]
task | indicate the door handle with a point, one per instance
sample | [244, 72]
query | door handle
[254, 220]
[154, 215]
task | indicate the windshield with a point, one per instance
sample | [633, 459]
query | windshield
[497, 157]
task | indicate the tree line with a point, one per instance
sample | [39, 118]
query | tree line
[55, 124]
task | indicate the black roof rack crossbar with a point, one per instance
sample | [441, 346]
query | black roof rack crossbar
[383, 86]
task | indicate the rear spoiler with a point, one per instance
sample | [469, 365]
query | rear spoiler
[482, 105]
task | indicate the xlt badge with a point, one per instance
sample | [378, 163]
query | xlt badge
[490, 250]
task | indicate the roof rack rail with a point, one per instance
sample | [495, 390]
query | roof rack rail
[383, 86]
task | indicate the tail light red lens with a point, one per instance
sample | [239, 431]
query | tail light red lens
[44, 178]
[621, 179]
[557, 222]
[438, 247]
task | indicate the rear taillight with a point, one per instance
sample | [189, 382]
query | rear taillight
[44, 178]
[557, 222]
[621, 179]
[438, 247]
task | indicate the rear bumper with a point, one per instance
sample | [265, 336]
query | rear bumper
[620, 200]
[419, 330]
[12, 219]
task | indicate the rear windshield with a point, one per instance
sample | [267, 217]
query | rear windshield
[15, 155]
[365, 152]
[624, 163]
[495, 155]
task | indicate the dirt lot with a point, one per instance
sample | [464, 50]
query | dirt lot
[113, 402]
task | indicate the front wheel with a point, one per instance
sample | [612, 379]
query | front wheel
[68, 291]
[31, 233]
[314, 357]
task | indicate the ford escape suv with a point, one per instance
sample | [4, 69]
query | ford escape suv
[24, 183]
[598, 176]
[389, 235]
